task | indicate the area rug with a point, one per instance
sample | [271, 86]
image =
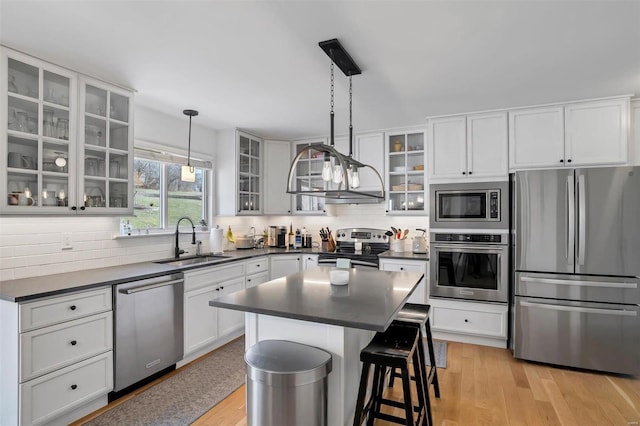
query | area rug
[184, 397]
[440, 351]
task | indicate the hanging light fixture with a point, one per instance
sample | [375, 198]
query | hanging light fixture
[188, 171]
[340, 173]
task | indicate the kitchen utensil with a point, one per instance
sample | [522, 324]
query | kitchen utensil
[404, 234]
[395, 231]
[244, 242]
[420, 243]
[388, 233]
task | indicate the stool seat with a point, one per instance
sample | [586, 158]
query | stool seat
[392, 347]
[414, 312]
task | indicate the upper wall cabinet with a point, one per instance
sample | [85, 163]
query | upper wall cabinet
[368, 148]
[470, 147]
[239, 174]
[570, 135]
[45, 165]
[308, 174]
[634, 145]
[277, 161]
[405, 182]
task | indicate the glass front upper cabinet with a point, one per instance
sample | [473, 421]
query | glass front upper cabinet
[249, 162]
[107, 143]
[406, 182]
[309, 176]
[38, 133]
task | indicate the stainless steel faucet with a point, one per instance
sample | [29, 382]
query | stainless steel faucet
[177, 250]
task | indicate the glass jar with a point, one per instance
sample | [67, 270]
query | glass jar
[62, 128]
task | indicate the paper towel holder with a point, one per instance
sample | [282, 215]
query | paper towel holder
[215, 240]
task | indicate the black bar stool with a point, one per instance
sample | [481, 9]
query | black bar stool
[417, 315]
[396, 348]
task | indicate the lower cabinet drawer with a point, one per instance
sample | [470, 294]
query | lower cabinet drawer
[259, 264]
[466, 321]
[48, 396]
[47, 349]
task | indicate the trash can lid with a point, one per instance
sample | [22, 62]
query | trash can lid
[270, 358]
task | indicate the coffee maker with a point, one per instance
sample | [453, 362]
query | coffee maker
[277, 236]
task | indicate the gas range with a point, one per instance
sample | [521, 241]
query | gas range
[370, 242]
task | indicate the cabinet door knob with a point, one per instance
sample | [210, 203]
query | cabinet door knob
[464, 173]
[470, 172]
[72, 307]
[74, 208]
[249, 279]
[569, 160]
[257, 266]
[73, 342]
[74, 387]
[221, 288]
[218, 289]
[466, 320]
[561, 160]
[401, 268]
[82, 207]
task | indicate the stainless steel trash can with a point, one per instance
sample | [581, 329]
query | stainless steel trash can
[286, 384]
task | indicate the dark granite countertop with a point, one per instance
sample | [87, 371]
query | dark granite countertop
[25, 289]
[370, 301]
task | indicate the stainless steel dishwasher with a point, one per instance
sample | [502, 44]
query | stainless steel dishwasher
[148, 334]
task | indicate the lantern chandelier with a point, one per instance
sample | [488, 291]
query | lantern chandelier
[340, 175]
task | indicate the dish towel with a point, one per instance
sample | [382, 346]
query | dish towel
[343, 263]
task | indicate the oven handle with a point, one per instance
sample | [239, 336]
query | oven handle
[618, 312]
[497, 249]
[140, 288]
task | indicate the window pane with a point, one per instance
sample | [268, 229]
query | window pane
[185, 198]
[146, 198]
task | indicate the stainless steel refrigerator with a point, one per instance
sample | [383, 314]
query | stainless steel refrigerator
[576, 234]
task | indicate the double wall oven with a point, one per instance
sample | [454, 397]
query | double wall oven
[360, 245]
[469, 241]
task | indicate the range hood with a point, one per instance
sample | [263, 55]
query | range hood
[335, 193]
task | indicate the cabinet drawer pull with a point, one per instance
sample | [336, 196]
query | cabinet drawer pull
[464, 173]
[72, 307]
[221, 288]
[466, 320]
[74, 387]
[561, 160]
[73, 342]
[218, 289]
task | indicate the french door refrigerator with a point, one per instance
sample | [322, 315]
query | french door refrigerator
[577, 266]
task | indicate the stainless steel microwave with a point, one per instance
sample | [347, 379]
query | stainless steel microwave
[481, 205]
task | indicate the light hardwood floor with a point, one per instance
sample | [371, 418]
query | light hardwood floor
[487, 386]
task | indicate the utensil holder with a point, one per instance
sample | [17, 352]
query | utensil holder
[397, 245]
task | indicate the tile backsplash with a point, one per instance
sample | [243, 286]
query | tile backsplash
[32, 246]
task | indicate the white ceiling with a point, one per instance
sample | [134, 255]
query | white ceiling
[257, 65]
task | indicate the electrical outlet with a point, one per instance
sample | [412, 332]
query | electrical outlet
[67, 242]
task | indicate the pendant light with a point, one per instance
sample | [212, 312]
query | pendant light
[340, 172]
[188, 171]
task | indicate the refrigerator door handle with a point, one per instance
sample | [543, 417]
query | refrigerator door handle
[571, 215]
[582, 220]
[603, 284]
[617, 312]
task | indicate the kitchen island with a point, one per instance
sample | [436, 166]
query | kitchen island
[305, 308]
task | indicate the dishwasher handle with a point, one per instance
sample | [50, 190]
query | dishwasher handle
[146, 287]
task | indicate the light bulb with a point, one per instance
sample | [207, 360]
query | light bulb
[355, 178]
[337, 173]
[27, 192]
[188, 174]
[326, 171]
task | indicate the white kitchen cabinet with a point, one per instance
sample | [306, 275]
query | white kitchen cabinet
[56, 357]
[277, 160]
[596, 132]
[634, 146]
[257, 279]
[309, 261]
[469, 322]
[470, 147]
[536, 137]
[51, 167]
[406, 184]
[203, 324]
[308, 174]
[284, 264]
[420, 294]
[368, 148]
[239, 174]
[569, 135]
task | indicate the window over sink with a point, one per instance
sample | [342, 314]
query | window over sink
[161, 196]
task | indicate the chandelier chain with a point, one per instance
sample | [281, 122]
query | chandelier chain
[350, 101]
[332, 86]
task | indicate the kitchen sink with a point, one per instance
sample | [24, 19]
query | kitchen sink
[197, 260]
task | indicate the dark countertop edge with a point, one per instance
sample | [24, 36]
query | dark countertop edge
[406, 255]
[301, 317]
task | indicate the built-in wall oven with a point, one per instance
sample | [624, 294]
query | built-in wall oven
[470, 266]
[360, 245]
[477, 205]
